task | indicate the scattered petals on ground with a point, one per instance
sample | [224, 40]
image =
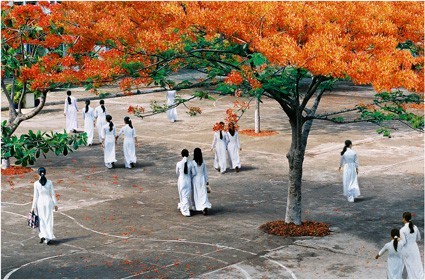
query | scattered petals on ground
[14, 170]
[251, 132]
[307, 228]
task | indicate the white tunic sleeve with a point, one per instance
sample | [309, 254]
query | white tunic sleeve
[52, 193]
[95, 113]
[214, 141]
[355, 160]
[383, 250]
[192, 168]
[121, 131]
[226, 139]
[35, 196]
[205, 172]
[237, 140]
[177, 169]
[66, 106]
[74, 101]
[341, 161]
[418, 234]
[103, 132]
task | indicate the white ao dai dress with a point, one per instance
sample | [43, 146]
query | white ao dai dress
[184, 185]
[109, 145]
[89, 124]
[220, 145]
[44, 200]
[199, 184]
[100, 120]
[70, 111]
[394, 262]
[233, 150]
[171, 113]
[350, 183]
[129, 146]
[410, 252]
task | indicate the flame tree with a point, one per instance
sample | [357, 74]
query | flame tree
[265, 49]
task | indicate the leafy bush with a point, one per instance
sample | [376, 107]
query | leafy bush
[28, 147]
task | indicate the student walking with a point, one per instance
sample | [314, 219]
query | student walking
[184, 170]
[100, 113]
[88, 116]
[394, 262]
[70, 111]
[233, 148]
[171, 113]
[200, 183]
[130, 143]
[410, 234]
[220, 145]
[351, 170]
[44, 201]
[108, 142]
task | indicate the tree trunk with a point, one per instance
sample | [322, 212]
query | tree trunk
[5, 163]
[295, 159]
[257, 116]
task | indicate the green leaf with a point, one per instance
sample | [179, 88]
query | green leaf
[258, 59]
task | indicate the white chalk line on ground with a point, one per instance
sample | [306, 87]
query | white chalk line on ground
[165, 140]
[18, 204]
[385, 167]
[281, 265]
[92, 230]
[158, 240]
[36, 261]
[243, 271]
[3, 211]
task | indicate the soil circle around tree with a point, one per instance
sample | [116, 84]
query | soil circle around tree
[15, 170]
[307, 228]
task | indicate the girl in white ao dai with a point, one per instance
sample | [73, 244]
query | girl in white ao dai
[171, 113]
[130, 142]
[351, 169]
[394, 262]
[100, 113]
[200, 182]
[44, 201]
[220, 144]
[70, 111]
[410, 253]
[108, 142]
[233, 148]
[184, 169]
[88, 116]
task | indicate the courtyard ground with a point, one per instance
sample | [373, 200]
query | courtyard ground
[123, 223]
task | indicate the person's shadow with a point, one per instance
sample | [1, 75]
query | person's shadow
[56, 242]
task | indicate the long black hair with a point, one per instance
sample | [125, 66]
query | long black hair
[395, 233]
[42, 173]
[69, 96]
[347, 145]
[197, 156]
[185, 153]
[109, 120]
[232, 129]
[128, 121]
[102, 104]
[408, 217]
[87, 105]
[221, 134]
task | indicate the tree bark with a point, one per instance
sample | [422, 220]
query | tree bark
[295, 160]
[257, 116]
[16, 120]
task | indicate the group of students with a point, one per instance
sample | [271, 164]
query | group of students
[108, 136]
[227, 147]
[403, 251]
[192, 183]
